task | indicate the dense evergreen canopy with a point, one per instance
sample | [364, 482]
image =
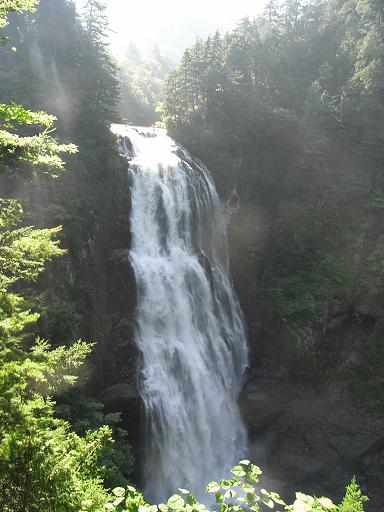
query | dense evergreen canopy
[287, 110]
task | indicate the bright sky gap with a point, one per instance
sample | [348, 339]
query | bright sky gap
[172, 25]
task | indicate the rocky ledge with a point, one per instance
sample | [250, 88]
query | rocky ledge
[313, 439]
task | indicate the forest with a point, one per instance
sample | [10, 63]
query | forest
[132, 346]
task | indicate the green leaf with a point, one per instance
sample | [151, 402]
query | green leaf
[225, 484]
[303, 497]
[14, 113]
[326, 503]
[230, 494]
[175, 502]
[213, 487]
[191, 500]
[250, 497]
[256, 470]
[148, 508]
[268, 502]
[118, 491]
[238, 471]
[276, 498]
[219, 497]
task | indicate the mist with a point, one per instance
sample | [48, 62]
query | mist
[171, 25]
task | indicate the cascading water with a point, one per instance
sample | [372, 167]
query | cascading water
[190, 328]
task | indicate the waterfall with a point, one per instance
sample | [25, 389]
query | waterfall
[189, 325]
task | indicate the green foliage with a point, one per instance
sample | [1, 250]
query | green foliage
[76, 81]
[234, 97]
[95, 20]
[40, 150]
[23, 254]
[240, 493]
[18, 6]
[141, 80]
[301, 280]
[130, 499]
[44, 464]
[15, 114]
[85, 414]
[59, 321]
[287, 111]
[354, 499]
[23, 250]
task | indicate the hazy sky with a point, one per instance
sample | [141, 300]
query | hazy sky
[173, 24]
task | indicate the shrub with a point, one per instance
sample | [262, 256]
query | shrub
[240, 493]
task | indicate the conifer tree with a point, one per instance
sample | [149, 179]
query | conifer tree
[43, 464]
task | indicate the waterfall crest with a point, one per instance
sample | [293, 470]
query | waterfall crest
[189, 325]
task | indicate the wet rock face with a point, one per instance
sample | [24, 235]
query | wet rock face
[123, 397]
[119, 352]
[306, 430]
[335, 316]
[313, 440]
[108, 300]
[116, 358]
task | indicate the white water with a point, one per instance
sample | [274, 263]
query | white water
[190, 328]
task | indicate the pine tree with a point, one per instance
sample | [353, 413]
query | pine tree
[96, 21]
[43, 464]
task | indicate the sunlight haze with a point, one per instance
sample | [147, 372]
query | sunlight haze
[172, 25]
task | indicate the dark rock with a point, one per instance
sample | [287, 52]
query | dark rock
[338, 308]
[335, 316]
[314, 440]
[120, 255]
[351, 359]
[124, 398]
[371, 305]
[123, 393]
[259, 407]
